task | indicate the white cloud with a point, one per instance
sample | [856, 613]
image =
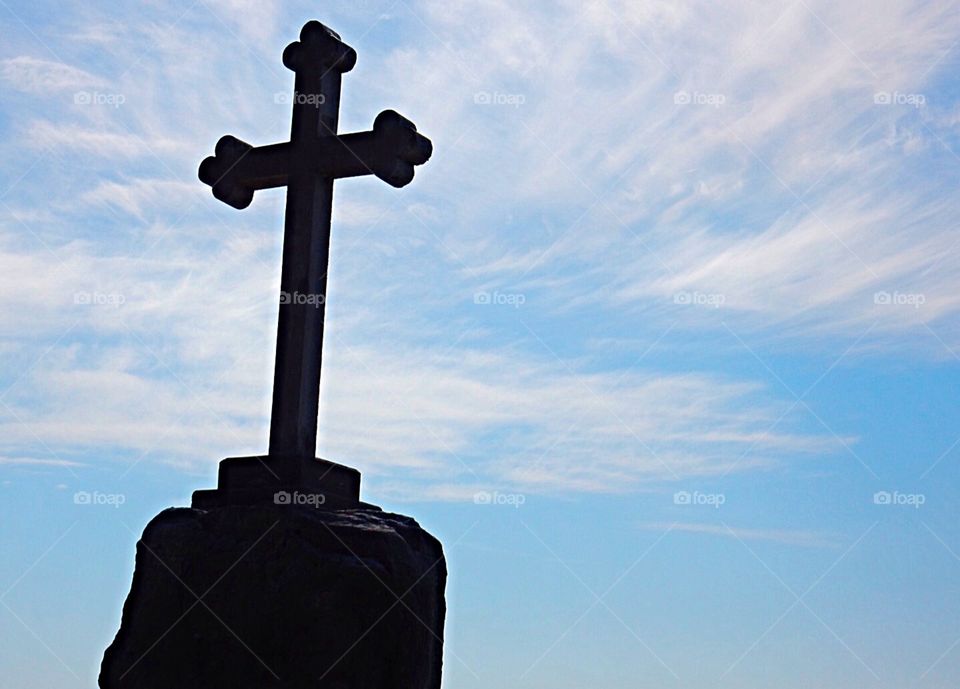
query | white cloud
[33, 75]
[172, 356]
[38, 462]
[598, 192]
[135, 196]
[789, 198]
[783, 536]
[249, 22]
[96, 141]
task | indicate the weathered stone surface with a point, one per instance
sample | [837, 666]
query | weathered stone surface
[281, 596]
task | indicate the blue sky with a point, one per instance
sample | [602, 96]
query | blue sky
[677, 291]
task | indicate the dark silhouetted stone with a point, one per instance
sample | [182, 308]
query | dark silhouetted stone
[281, 596]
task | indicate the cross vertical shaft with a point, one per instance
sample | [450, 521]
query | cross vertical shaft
[306, 256]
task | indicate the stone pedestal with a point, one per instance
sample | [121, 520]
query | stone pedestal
[291, 596]
[282, 480]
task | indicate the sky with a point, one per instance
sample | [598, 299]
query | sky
[662, 343]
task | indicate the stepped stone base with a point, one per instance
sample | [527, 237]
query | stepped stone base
[283, 480]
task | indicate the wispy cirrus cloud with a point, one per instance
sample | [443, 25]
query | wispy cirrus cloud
[38, 76]
[795, 537]
[37, 462]
[96, 141]
[748, 162]
[755, 164]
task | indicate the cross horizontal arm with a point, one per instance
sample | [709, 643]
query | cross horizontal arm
[389, 151]
[237, 169]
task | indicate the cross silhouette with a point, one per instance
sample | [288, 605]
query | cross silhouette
[307, 165]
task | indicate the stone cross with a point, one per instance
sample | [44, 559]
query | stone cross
[307, 165]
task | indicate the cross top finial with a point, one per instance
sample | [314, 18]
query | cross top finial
[319, 46]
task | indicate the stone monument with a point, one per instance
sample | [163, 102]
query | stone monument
[281, 576]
